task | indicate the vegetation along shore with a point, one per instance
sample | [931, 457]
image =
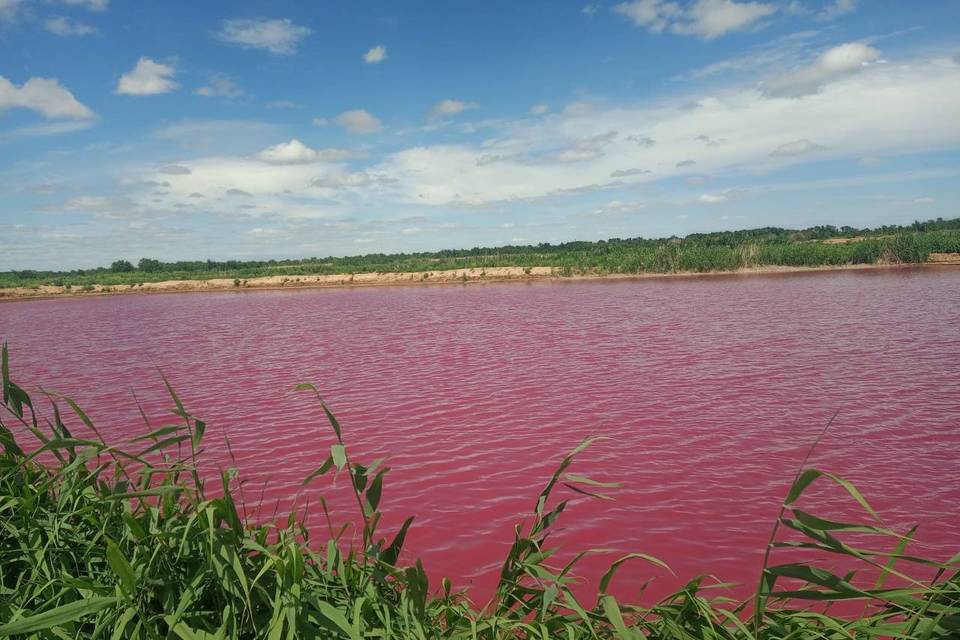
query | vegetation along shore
[754, 250]
[125, 540]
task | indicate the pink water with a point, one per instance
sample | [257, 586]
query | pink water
[710, 390]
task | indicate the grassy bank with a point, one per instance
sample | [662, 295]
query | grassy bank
[704, 252]
[126, 541]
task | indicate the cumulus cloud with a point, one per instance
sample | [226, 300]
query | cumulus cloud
[836, 9]
[643, 141]
[45, 96]
[714, 198]
[359, 121]
[626, 173]
[175, 170]
[796, 148]
[448, 107]
[525, 161]
[86, 203]
[9, 10]
[278, 36]
[710, 19]
[586, 148]
[350, 180]
[655, 15]
[618, 208]
[837, 62]
[147, 78]
[918, 100]
[580, 108]
[295, 152]
[220, 86]
[375, 54]
[64, 26]
[707, 19]
[91, 5]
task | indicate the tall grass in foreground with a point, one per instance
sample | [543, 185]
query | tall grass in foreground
[101, 541]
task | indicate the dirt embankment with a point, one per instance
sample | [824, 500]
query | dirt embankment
[451, 276]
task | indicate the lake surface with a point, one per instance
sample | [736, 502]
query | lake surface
[710, 391]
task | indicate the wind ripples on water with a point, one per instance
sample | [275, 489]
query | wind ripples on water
[709, 392]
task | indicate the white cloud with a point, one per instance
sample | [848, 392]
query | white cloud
[618, 208]
[282, 104]
[220, 86]
[837, 62]
[175, 170]
[581, 108]
[9, 10]
[539, 109]
[279, 36]
[924, 200]
[713, 18]
[713, 198]
[448, 107]
[46, 129]
[64, 26]
[92, 5]
[655, 15]
[763, 134]
[586, 148]
[796, 148]
[88, 203]
[375, 55]
[43, 95]
[147, 78]
[555, 159]
[590, 9]
[335, 180]
[359, 121]
[626, 173]
[836, 9]
[295, 152]
[707, 19]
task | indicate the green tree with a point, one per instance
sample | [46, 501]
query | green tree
[149, 265]
[121, 266]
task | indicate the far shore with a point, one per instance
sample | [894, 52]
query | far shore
[451, 276]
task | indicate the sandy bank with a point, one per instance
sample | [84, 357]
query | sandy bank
[451, 276]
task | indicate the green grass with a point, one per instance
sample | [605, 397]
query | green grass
[700, 252]
[106, 541]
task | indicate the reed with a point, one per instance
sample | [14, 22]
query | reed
[126, 541]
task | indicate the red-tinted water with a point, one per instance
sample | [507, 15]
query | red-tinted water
[711, 391]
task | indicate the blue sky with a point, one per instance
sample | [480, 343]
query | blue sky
[192, 130]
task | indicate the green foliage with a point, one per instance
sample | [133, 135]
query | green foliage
[122, 266]
[100, 541]
[698, 252]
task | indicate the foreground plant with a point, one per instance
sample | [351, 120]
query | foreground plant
[98, 541]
